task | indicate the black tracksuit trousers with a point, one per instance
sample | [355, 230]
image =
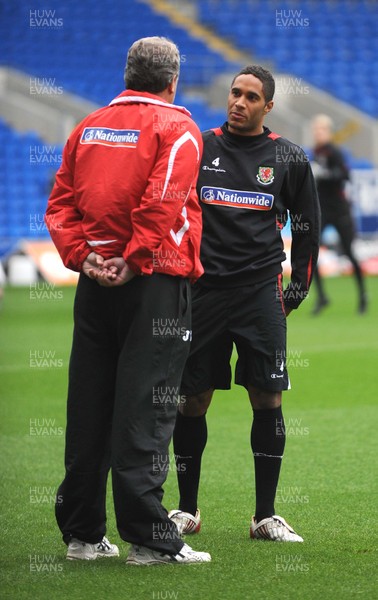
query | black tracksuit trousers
[130, 344]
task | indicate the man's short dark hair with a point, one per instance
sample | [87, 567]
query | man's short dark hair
[152, 63]
[265, 77]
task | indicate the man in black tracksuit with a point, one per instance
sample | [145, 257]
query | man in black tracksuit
[249, 179]
[331, 173]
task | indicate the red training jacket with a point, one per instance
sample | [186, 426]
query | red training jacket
[126, 187]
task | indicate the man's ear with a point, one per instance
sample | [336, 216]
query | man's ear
[172, 86]
[268, 107]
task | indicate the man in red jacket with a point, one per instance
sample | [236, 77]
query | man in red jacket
[124, 213]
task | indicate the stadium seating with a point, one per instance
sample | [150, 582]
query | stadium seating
[92, 66]
[25, 185]
[332, 45]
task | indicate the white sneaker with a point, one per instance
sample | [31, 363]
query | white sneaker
[140, 555]
[78, 550]
[185, 522]
[274, 529]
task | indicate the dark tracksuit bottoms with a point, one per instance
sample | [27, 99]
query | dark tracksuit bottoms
[130, 345]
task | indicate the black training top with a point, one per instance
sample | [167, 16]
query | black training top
[246, 186]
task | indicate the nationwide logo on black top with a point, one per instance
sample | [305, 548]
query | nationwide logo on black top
[237, 198]
[121, 138]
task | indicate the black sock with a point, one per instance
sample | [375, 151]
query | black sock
[268, 443]
[189, 441]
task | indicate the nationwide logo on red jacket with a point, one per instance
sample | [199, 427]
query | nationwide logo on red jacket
[236, 198]
[121, 138]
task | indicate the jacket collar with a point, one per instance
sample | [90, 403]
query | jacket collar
[131, 96]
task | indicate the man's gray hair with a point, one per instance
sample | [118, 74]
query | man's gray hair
[152, 63]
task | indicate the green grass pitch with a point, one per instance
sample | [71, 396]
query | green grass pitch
[328, 486]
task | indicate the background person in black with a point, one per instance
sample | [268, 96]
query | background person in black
[248, 181]
[331, 174]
